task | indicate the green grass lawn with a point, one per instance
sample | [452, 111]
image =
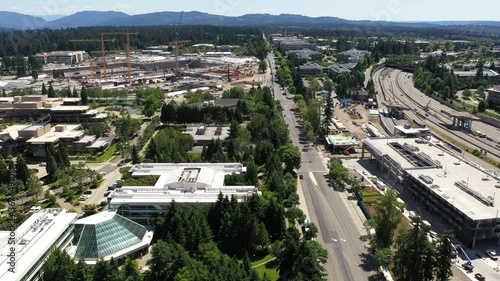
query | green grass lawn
[106, 156]
[272, 273]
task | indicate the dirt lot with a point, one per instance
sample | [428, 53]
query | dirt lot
[363, 117]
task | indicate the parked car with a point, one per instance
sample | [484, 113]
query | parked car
[492, 254]
[479, 277]
[82, 198]
[89, 192]
[301, 177]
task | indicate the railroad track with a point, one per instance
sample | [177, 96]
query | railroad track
[491, 147]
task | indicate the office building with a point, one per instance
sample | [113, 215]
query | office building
[185, 183]
[107, 235]
[61, 110]
[34, 139]
[290, 44]
[63, 57]
[353, 55]
[26, 249]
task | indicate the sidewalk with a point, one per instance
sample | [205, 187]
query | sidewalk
[302, 200]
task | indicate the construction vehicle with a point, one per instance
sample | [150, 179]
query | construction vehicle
[468, 265]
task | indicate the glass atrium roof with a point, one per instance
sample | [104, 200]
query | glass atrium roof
[106, 237]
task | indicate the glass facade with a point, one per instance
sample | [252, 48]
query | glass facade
[96, 241]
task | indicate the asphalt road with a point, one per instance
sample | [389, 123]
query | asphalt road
[338, 234]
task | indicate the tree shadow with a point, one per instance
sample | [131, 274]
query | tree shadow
[367, 262]
[376, 277]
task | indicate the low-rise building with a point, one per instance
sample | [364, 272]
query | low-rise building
[61, 110]
[183, 183]
[340, 142]
[353, 55]
[64, 57]
[305, 55]
[24, 251]
[493, 95]
[493, 53]
[460, 194]
[487, 73]
[35, 138]
[408, 132]
[203, 134]
[311, 68]
[289, 44]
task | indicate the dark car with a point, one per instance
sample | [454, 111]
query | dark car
[301, 177]
[88, 192]
[479, 276]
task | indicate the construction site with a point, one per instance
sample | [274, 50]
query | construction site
[128, 69]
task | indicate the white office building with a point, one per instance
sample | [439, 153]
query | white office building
[184, 183]
[25, 250]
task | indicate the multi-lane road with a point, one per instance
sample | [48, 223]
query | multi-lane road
[338, 233]
[399, 86]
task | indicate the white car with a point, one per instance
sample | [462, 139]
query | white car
[364, 173]
[492, 254]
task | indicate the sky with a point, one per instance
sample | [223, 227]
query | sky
[389, 10]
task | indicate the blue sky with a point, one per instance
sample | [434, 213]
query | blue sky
[393, 10]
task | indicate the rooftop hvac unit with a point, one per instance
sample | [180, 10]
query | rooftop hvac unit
[426, 179]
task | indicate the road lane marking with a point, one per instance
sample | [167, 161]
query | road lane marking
[313, 179]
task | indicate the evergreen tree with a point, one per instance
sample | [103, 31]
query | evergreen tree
[387, 219]
[63, 152]
[59, 159]
[83, 272]
[75, 93]
[4, 94]
[135, 155]
[52, 92]
[130, 271]
[22, 171]
[252, 174]
[83, 95]
[34, 74]
[106, 271]
[52, 167]
[444, 257]
[4, 172]
[58, 264]
[44, 90]
[414, 256]
[166, 261]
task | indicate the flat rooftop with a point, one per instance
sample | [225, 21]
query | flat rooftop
[33, 239]
[70, 132]
[210, 133]
[341, 140]
[449, 176]
[186, 183]
[411, 130]
[12, 131]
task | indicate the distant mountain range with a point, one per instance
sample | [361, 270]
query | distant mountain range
[10, 20]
